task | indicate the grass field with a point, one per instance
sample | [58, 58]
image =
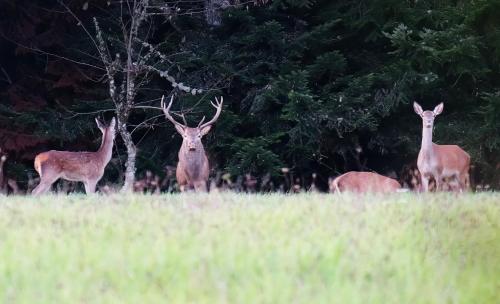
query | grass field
[234, 248]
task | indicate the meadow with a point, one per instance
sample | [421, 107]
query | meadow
[247, 248]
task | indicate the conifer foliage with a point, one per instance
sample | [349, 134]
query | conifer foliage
[316, 86]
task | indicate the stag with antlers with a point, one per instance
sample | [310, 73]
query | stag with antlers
[86, 167]
[193, 168]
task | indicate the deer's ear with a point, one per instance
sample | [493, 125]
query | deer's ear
[179, 129]
[417, 108]
[205, 130]
[438, 109]
[99, 124]
[112, 124]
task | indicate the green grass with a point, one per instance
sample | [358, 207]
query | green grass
[232, 248]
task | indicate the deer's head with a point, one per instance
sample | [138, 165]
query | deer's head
[108, 132]
[191, 137]
[428, 116]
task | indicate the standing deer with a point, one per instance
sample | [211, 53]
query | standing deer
[441, 162]
[364, 182]
[86, 167]
[192, 169]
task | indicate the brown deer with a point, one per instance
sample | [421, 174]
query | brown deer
[86, 167]
[443, 163]
[364, 182]
[192, 169]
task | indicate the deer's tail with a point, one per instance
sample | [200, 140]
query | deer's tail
[335, 184]
[39, 160]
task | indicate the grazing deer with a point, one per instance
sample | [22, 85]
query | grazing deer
[364, 182]
[86, 167]
[192, 169]
[441, 162]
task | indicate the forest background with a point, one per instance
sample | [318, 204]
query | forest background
[317, 87]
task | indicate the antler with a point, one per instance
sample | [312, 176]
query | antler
[166, 111]
[218, 106]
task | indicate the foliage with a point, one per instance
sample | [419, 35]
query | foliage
[317, 86]
[338, 79]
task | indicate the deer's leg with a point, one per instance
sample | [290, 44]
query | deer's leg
[200, 186]
[45, 184]
[456, 184]
[181, 178]
[461, 183]
[90, 186]
[184, 186]
[425, 182]
[439, 183]
[41, 188]
[464, 182]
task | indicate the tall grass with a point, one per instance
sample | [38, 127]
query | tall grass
[234, 248]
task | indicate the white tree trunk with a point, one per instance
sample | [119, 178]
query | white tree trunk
[131, 156]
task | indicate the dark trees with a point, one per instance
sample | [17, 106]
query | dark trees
[316, 86]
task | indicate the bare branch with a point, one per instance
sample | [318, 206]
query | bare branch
[80, 23]
[39, 51]
[174, 83]
[7, 78]
[145, 123]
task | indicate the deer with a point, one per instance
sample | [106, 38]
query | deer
[364, 182]
[440, 162]
[192, 168]
[86, 167]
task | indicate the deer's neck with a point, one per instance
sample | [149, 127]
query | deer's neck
[193, 161]
[106, 149]
[427, 145]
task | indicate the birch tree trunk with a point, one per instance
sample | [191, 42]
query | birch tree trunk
[131, 154]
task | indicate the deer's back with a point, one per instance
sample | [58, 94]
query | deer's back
[362, 182]
[452, 156]
[71, 165]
